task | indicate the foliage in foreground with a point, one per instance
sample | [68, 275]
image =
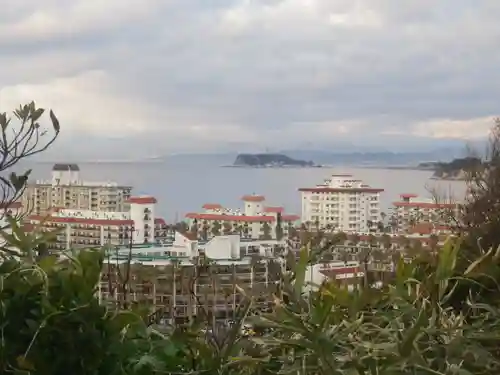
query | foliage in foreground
[424, 323]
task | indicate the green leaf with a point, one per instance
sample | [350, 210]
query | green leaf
[300, 270]
[55, 121]
[408, 342]
[37, 114]
[18, 182]
[4, 122]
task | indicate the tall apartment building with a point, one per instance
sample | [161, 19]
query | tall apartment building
[343, 203]
[67, 190]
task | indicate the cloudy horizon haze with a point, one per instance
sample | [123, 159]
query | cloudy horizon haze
[171, 76]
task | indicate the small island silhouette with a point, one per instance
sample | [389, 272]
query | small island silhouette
[270, 161]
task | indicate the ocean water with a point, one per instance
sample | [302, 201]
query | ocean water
[183, 186]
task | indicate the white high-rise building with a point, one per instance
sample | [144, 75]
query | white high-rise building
[67, 190]
[342, 203]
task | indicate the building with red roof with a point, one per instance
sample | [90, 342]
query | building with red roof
[87, 228]
[343, 203]
[255, 220]
[414, 214]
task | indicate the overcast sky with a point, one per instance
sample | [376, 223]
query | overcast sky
[215, 75]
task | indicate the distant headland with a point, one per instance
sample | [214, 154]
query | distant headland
[455, 170]
[270, 161]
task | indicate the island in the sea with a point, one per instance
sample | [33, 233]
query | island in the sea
[456, 169]
[270, 161]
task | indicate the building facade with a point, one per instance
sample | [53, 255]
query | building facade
[86, 228]
[178, 280]
[256, 220]
[411, 211]
[67, 190]
[342, 203]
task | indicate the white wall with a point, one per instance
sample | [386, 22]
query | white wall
[223, 247]
[65, 177]
[137, 214]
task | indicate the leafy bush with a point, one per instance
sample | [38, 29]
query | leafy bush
[52, 321]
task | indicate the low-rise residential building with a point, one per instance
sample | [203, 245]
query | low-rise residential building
[191, 277]
[187, 278]
[87, 228]
[255, 220]
[411, 210]
[342, 203]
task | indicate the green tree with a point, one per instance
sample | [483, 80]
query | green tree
[266, 231]
[279, 232]
[216, 228]
[181, 227]
[227, 228]
[204, 232]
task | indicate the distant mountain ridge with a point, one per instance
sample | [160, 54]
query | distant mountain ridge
[375, 158]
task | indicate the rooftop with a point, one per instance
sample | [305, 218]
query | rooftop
[253, 198]
[66, 167]
[342, 183]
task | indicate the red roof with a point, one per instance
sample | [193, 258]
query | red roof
[230, 217]
[160, 221]
[56, 209]
[408, 195]
[27, 228]
[142, 200]
[211, 206]
[277, 210]
[4, 205]
[332, 273]
[290, 217]
[428, 228]
[245, 218]
[253, 198]
[341, 190]
[424, 204]
[78, 220]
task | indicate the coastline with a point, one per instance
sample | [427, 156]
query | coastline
[277, 166]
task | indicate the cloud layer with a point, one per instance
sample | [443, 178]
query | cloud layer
[193, 76]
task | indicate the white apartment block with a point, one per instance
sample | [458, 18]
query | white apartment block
[342, 203]
[88, 228]
[67, 190]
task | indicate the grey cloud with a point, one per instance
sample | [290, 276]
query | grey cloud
[424, 61]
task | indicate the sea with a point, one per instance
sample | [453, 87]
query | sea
[183, 186]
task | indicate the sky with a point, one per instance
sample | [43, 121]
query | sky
[154, 77]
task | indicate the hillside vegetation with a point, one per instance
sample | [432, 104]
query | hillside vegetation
[457, 169]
